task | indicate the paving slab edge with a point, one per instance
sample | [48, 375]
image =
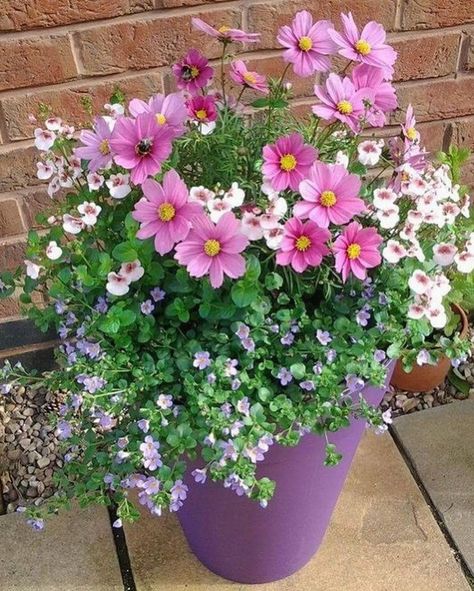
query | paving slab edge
[121, 549]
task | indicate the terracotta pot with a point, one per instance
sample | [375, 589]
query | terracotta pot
[424, 378]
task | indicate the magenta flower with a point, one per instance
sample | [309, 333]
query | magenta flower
[193, 72]
[240, 75]
[357, 250]
[214, 249]
[308, 45]
[340, 100]
[368, 47]
[287, 162]
[303, 245]
[140, 145]
[381, 95]
[330, 195]
[202, 108]
[168, 110]
[225, 34]
[165, 212]
[96, 147]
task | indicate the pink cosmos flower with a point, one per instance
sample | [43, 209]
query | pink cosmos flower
[368, 47]
[240, 75]
[225, 34]
[330, 195]
[202, 108]
[165, 212]
[214, 249]
[410, 132]
[141, 145]
[193, 72]
[308, 45]
[287, 162]
[340, 100]
[168, 110]
[303, 245]
[357, 250]
[96, 146]
[383, 98]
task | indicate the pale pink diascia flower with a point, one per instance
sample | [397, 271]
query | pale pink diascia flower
[53, 251]
[193, 72]
[202, 108]
[308, 44]
[165, 212]
[443, 253]
[132, 271]
[225, 33]
[394, 252]
[118, 185]
[382, 96]
[340, 100]
[168, 110]
[214, 250]
[251, 226]
[357, 250]
[241, 75]
[303, 245]
[367, 47]
[287, 162]
[330, 195]
[369, 152]
[32, 269]
[44, 139]
[89, 212]
[117, 284]
[141, 145]
[96, 146]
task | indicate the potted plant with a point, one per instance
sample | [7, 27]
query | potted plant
[231, 292]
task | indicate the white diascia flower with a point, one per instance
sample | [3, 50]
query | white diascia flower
[384, 199]
[89, 212]
[342, 159]
[419, 282]
[44, 139]
[95, 181]
[217, 208]
[118, 185]
[53, 123]
[394, 251]
[274, 237]
[388, 218]
[443, 253]
[45, 170]
[464, 261]
[132, 271]
[117, 284]
[251, 226]
[32, 269]
[53, 251]
[369, 152]
[115, 110]
[235, 195]
[201, 195]
[72, 225]
[436, 314]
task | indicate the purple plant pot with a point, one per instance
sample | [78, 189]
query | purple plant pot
[239, 540]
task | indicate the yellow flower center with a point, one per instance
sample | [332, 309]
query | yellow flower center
[250, 78]
[328, 198]
[411, 133]
[405, 176]
[303, 243]
[305, 43]
[166, 212]
[224, 29]
[212, 247]
[160, 118]
[353, 251]
[104, 147]
[345, 107]
[201, 114]
[288, 162]
[363, 47]
[194, 72]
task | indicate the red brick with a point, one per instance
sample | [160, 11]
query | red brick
[65, 102]
[426, 56]
[468, 173]
[35, 61]
[268, 17]
[9, 308]
[11, 255]
[434, 14]
[17, 167]
[464, 132]
[437, 99]
[177, 3]
[10, 218]
[36, 200]
[147, 43]
[468, 54]
[16, 15]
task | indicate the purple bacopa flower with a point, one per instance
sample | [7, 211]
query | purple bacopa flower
[387, 416]
[122, 442]
[70, 318]
[147, 307]
[101, 305]
[94, 383]
[105, 421]
[284, 376]
[36, 523]
[274, 328]
[235, 428]
[456, 362]
[235, 483]
[226, 409]
[235, 384]
[92, 350]
[423, 357]
[117, 523]
[379, 355]
[5, 388]
[383, 300]
[331, 355]
[202, 359]
[199, 475]
[209, 439]
[81, 331]
[354, 383]
[248, 345]
[109, 478]
[60, 307]
[243, 406]
[254, 454]
[151, 456]
[318, 368]
[287, 339]
[211, 378]
[230, 368]
[265, 442]
[228, 450]
[243, 332]
[150, 486]
[64, 430]
[307, 385]
[363, 317]
[164, 401]
[157, 294]
[144, 425]
[121, 456]
[295, 328]
[179, 491]
[63, 331]
[323, 337]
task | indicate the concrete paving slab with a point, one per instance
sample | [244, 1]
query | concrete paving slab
[383, 537]
[75, 552]
[440, 444]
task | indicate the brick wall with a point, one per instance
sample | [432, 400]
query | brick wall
[57, 51]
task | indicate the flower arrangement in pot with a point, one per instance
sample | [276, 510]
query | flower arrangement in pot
[231, 287]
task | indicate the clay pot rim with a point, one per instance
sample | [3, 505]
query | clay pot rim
[464, 320]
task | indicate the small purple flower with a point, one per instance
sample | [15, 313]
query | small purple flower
[121, 456]
[307, 385]
[235, 483]
[60, 307]
[230, 368]
[235, 384]
[179, 491]
[235, 428]
[117, 523]
[36, 524]
[150, 485]
[164, 401]
[379, 355]
[265, 442]
[248, 345]
[254, 454]
[122, 442]
[64, 430]
[229, 451]
[226, 409]
[94, 383]
[354, 383]
[157, 294]
[144, 425]
[323, 337]
[363, 317]
[210, 439]
[243, 332]
[383, 300]
[105, 421]
[101, 305]
[243, 406]
[318, 368]
[284, 376]
[274, 328]
[109, 478]
[387, 416]
[211, 378]
[287, 339]
[423, 357]
[202, 359]
[331, 355]
[81, 331]
[70, 319]
[5, 389]
[151, 457]
[295, 328]
[63, 331]
[147, 307]
[199, 475]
